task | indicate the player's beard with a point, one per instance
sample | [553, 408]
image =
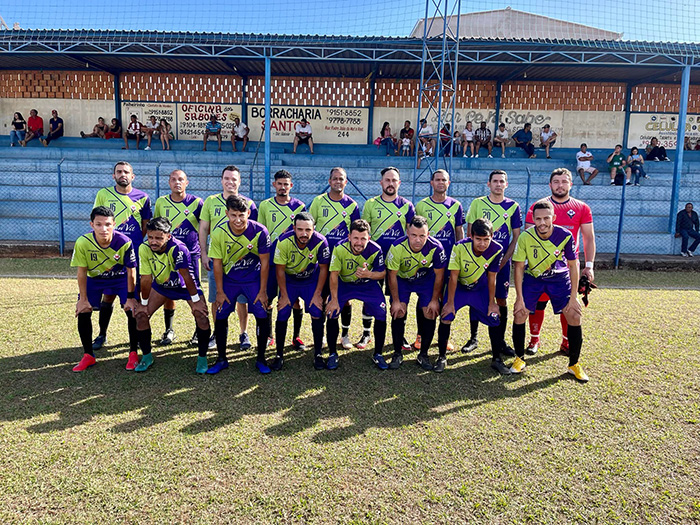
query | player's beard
[560, 193]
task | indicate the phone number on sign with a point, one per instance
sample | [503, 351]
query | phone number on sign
[345, 112]
[343, 120]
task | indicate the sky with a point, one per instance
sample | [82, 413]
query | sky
[668, 21]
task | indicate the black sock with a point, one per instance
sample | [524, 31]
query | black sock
[145, 340]
[133, 333]
[443, 338]
[366, 324]
[317, 331]
[380, 336]
[281, 335]
[298, 316]
[168, 316]
[263, 331]
[473, 326]
[85, 332]
[221, 332]
[398, 328]
[269, 321]
[519, 339]
[203, 341]
[332, 330]
[426, 330]
[346, 318]
[503, 324]
[575, 335]
[496, 341]
[106, 310]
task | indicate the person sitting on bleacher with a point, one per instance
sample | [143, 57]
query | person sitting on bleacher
[213, 129]
[55, 128]
[133, 131]
[303, 135]
[165, 131]
[656, 152]
[115, 130]
[151, 128]
[35, 127]
[98, 131]
[19, 129]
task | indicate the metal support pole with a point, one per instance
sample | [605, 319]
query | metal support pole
[527, 191]
[497, 116]
[61, 227]
[620, 225]
[244, 100]
[628, 105]
[158, 180]
[416, 135]
[372, 87]
[268, 152]
[118, 98]
[680, 140]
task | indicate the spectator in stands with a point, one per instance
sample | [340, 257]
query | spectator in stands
[407, 133]
[99, 130]
[445, 136]
[149, 129]
[239, 133]
[583, 165]
[618, 167]
[386, 139]
[114, 129]
[483, 139]
[656, 152]
[468, 140]
[426, 136]
[635, 161]
[35, 127]
[457, 144]
[55, 128]
[501, 139]
[523, 139]
[133, 131]
[212, 129]
[687, 145]
[165, 130]
[688, 225]
[19, 129]
[548, 138]
[697, 145]
[303, 135]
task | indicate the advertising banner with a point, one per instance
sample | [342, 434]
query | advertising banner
[663, 126]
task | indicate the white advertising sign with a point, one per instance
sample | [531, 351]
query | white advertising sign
[144, 110]
[192, 118]
[664, 126]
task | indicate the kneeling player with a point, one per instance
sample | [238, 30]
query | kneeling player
[240, 249]
[474, 266]
[552, 265]
[106, 265]
[301, 262]
[168, 273]
[356, 272]
[416, 263]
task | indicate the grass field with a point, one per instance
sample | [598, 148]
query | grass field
[356, 445]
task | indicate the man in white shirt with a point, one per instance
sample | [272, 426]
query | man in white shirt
[426, 135]
[302, 135]
[547, 138]
[239, 133]
[583, 165]
[501, 139]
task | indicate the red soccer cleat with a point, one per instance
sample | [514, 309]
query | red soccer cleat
[564, 347]
[86, 362]
[133, 361]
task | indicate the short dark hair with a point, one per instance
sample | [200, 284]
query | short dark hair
[583, 145]
[389, 168]
[159, 224]
[339, 169]
[101, 211]
[230, 167]
[497, 172]
[122, 163]
[560, 171]
[527, 125]
[482, 228]
[432, 176]
[303, 216]
[283, 174]
[418, 221]
[618, 145]
[236, 203]
[359, 225]
[501, 124]
[542, 204]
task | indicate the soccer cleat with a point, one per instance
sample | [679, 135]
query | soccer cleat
[499, 367]
[470, 346]
[262, 367]
[195, 340]
[424, 362]
[345, 342]
[564, 346]
[277, 364]
[532, 347]
[202, 365]
[507, 351]
[270, 342]
[99, 342]
[416, 345]
[578, 372]
[379, 360]
[133, 361]
[145, 363]
[168, 337]
[298, 344]
[518, 366]
[396, 361]
[332, 363]
[319, 363]
[364, 342]
[86, 362]
[244, 341]
[221, 364]
[212, 342]
[440, 365]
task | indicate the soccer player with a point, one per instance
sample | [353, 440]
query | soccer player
[445, 221]
[183, 211]
[416, 264]
[546, 261]
[574, 215]
[168, 273]
[214, 214]
[277, 214]
[132, 211]
[387, 215]
[504, 215]
[240, 249]
[301, 262]
[356, 272]
[333, 213]
[473, 266]
[106, 266]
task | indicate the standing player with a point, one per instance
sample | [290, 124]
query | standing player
[168, 274]
[213, 215]
[132, 211]
[416, 264]
[356, 272]
[301, 263]
[106, 266]
[574, 215]
[504, 215]
[552, 268]
[333, 213]
[240, 249]
[474, 266]
[387, 215]
[277, 214]
[183, 211]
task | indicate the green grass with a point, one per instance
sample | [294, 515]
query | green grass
[356, 445]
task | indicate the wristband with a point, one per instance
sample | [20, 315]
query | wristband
[131, 295]
[195, 298]
[144, 302]
[589, 264]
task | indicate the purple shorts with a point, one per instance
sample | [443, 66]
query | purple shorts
[96, 288]
[248, 289]
[175, 294]
[557, 288]
[370, 293]
[303, 290]
[503, 282]
[423, 288]
[477, 299]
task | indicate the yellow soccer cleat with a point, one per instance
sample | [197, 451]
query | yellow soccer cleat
[518, 366]
[578, 372]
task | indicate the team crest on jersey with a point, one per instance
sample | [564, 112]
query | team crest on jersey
[291, 216]
[505, 215]
[345, 214]
[311, 256]
[133, 208]
[486, 266]
[382, 306]
[250, 246]
[116, 257]
[449, 215]
[186, 212]
[571, 214]
[424, 262]
[557, 252]
[398, 214]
